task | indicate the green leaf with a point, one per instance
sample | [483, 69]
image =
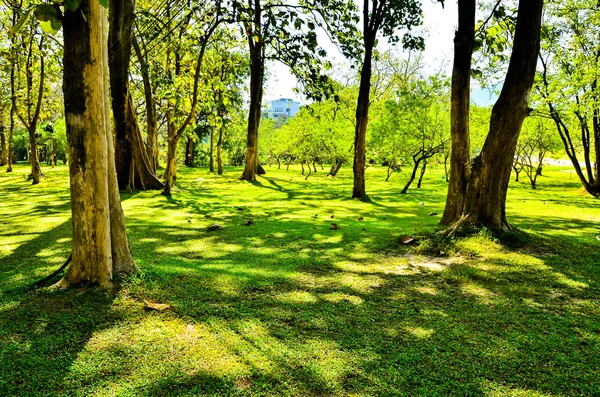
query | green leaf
[104, 3]
[72, 5]
[51, 27]
[22, 21]
[45, 12]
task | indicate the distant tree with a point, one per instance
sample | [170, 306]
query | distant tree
[569, 85]
[287, 33]
[537, 139]
[383, 17]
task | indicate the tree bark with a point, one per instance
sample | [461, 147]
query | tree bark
[151, 123]
[362, 119]
[257, 66]
[3, 154]
[211, 160]
[134, 169]
[335, 168]
[423, 169]
[460, 158]
[189, 152]
[171, 169]
[100, 247]
[219, 146]
[413, 175]
[485, 198]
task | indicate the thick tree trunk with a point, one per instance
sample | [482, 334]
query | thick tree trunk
[100, 247]
[362, 120]
[219, 146]
[335, 168]
[460, 160]
[256, 87]
[134, 169]
[485, 199]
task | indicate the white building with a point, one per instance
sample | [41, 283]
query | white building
[282, 107]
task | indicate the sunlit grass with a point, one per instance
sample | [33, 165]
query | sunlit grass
[290, 306]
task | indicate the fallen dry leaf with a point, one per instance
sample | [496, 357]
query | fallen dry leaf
[404, 239]
[334, 226]
[156, 306]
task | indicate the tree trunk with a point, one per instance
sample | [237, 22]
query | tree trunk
[189, 153]
[256, 88]
[335, 168]
[219, 146]
[52, 156]
[100, 247]
[4, 154]
[133, 166]
[412, 177]
[422, 174]
[460, 159]
[151, 123]
[362, 119]
[171, 169]
[485, 198]
[36, 171]
[211, 160]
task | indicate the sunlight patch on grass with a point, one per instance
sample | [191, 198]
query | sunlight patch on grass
[420, 332]
[297, 297]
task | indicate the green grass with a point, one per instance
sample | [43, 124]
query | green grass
[289, 307]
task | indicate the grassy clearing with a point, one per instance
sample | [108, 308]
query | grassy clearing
[289, 307]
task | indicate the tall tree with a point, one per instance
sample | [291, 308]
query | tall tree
[32, 101]
[460, 98]
[285, 32]
[570, 87]
[379, 17]
[485, 197]
[100, 247]
[134, 169]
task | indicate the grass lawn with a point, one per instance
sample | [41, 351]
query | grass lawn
[289, 307]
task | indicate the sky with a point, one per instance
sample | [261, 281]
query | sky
[438, 29]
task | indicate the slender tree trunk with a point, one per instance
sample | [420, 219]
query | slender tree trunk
[460, 159]
[211, 160]
[219, 145]
[133, 166]
[100, 247]
[485, 199]
[362, 120]
[189, 153]
[52, 156]
[4, 154]
[422, 174]
[413, 175]
[151, 123]
[171, 169]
